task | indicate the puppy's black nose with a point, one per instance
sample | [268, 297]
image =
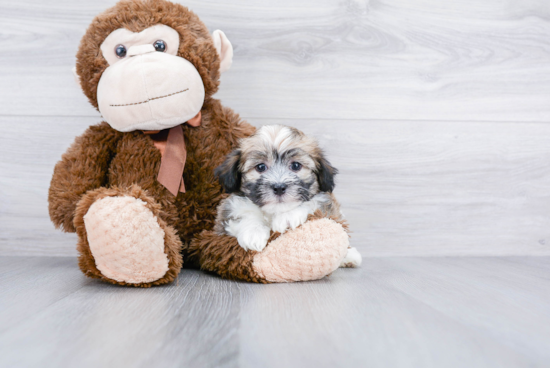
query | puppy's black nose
[279, 189]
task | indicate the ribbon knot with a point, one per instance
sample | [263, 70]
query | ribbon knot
[171, 144]
[173, 161]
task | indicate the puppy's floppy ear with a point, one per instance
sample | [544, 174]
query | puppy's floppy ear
[228, 173]
[325, 174]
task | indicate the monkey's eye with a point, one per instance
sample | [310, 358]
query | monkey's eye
[295, 166]
[160, 45]
[261, 168]
[120, 51]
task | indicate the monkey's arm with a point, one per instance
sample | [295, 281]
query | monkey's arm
[234, 127]
[82, 168]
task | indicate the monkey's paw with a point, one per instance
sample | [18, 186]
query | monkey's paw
[126, 240]
[309, 252]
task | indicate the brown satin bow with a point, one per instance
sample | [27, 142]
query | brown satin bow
[171, 144]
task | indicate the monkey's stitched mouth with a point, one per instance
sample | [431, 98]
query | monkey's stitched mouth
[151, 99]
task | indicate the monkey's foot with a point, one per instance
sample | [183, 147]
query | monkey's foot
[310, 252]
[126, 241]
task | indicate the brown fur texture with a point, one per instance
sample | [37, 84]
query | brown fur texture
[336, 217]
[223, 255]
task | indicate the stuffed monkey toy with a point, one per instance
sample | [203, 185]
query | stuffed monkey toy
[139, 188]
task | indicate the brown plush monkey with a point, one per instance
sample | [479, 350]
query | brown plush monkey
[139, 189]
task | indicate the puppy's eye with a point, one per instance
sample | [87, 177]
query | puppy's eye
[261, 168]
[160, 45]
[295, 166]
[120, 51]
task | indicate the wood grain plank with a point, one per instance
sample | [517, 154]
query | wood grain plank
[382, 315]
[441, 188]
[29, 285]
[393, 312]
[386, 59]
[459, 288]
[192, 323]
[407, 187]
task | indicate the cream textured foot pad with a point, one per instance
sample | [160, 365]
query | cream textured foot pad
[126, 240]
[309, 252]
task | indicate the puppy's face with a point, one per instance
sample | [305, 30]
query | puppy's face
[277, 168]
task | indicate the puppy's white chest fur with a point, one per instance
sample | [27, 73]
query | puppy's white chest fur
[252, 225]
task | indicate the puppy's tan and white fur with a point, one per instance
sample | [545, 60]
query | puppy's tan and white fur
[276, 178]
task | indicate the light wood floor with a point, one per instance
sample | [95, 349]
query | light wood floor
[393, 312]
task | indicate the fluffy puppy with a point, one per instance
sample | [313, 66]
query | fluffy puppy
[276, 178]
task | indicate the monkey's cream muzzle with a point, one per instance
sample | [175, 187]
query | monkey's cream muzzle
[149, 90]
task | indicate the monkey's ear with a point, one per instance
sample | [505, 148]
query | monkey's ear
[228, 173]
[325, 174]
[224, 49]
[76, 77]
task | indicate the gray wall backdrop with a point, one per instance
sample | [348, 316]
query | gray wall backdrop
[437, 113]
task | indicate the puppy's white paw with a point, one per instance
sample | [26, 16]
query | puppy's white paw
[291, 219]
[254, 239]
[279, 223]
[352, 259]
[299, 217]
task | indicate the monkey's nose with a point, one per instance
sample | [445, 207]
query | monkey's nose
[140, 50]
[279, 189]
